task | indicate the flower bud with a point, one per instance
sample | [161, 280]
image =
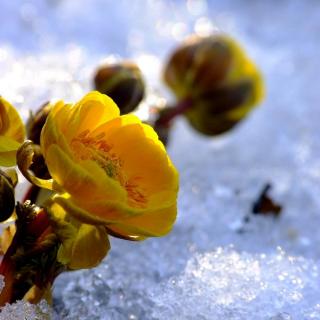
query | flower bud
[38, 165]
[37, 121]
[220, 81]
[123, 83]
[7, 199]
[34, 127]
[220, 110]
[31, 164]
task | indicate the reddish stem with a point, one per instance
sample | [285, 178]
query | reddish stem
[38, 228]
[7, 268]
[32, 194]
[170, 113]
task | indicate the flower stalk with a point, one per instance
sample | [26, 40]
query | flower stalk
[29, 265]
[168, 114]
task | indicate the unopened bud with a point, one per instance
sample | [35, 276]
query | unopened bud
[7, 199]
[32, 165]
[37, 121]
[197, 65]
[220, 110]
[123, 83]
[38, 165]
[215, 74]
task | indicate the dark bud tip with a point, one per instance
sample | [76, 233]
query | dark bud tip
[36, 122]
[122, 82]
[38, 165]
[7, 198]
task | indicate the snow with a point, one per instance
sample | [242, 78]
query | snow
[227, 285]
[25, 311]
[49, 49]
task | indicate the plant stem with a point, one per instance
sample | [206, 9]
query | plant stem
[32, 193]
[168, 114]
[30, 260]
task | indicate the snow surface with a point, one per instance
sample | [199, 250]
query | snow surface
[22, 310]
[49, 49]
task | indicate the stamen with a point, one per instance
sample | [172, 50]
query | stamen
[95, 148]
[136, 196]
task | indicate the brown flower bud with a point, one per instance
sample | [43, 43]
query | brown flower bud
[36, 122]
[221, 82]
[38, 165]
[198, 64]
[7, 199]
[123, 83]
[220, 110]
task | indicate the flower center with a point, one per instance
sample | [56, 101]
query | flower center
[88, 147]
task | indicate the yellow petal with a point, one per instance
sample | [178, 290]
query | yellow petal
[157, 178]
[139, 224]
[103, 213]
[53, 131]
[12, 133]
[111, 128]
[153, 224]
[78, 179]
[14, 128]
[91, 111]
[85, 249]
[7, 144]
[83, 245]
[8, 150]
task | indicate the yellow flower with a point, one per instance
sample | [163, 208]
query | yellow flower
[12, 133]
[109, 169]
